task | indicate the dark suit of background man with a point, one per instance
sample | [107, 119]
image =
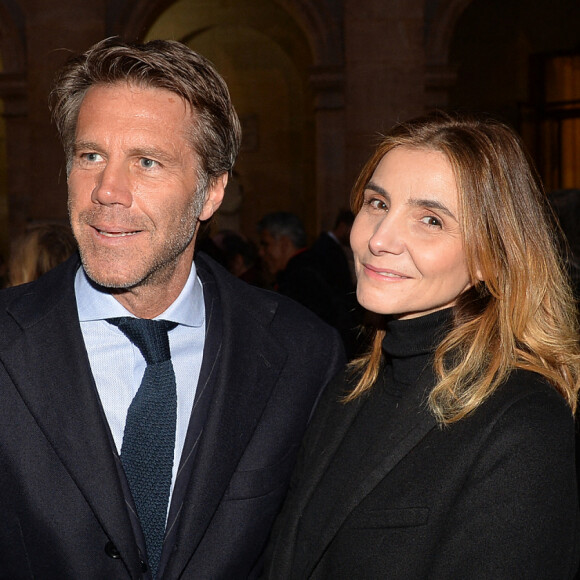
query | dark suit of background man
[284, 252]
[150, 136]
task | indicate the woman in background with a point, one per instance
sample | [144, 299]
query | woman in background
[37, 250]
[447, 451]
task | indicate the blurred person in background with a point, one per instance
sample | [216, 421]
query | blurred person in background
[566, 204]
[333, 253]
[333, 259]
[39, 249]
[240, 257]
[285, 255]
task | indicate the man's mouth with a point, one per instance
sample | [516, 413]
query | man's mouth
[116, 234]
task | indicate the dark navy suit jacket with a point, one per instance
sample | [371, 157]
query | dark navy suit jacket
[66, 512]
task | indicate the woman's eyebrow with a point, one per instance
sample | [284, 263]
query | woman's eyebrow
[377, 188]
[431, 204]
[415, 202]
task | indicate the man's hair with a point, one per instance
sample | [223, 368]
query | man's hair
[522, 314]
[284, 223]
[161, 64]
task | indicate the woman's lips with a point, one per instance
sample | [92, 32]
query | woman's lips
[384, 273]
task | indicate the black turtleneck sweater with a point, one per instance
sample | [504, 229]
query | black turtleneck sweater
[408, 349]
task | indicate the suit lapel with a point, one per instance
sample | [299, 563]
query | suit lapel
[245, 371]
[321, 443]
[47, 361]
[369, 479]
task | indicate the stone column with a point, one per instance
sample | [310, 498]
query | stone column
[331, 194]
[52, 36]
[385, 71]
[14, 207]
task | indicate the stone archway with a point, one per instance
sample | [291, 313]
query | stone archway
[322, 25]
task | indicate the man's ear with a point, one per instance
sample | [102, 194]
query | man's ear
[214, 197]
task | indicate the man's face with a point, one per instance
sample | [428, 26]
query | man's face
[275, 252]
[132, 187]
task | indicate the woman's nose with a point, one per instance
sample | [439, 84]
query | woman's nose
[388, 236]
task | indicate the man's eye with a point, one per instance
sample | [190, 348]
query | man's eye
[91, 157]
[147, 163]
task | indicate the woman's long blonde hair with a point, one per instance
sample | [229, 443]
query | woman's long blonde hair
[523, 314]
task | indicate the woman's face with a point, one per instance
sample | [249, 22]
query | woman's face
[406, 239]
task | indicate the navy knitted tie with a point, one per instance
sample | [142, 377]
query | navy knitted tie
[149, 436]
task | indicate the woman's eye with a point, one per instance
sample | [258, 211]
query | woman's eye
[377, 204]
[431, 221]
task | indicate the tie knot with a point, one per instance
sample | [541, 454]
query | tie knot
[149, 336]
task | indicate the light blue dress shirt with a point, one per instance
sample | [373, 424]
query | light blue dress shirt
[118, 366]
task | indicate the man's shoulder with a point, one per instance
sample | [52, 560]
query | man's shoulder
[40, 295]
[265, 306]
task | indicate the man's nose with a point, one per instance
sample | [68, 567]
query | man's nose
[113, 186]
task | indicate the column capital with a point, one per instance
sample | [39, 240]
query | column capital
[327, 82]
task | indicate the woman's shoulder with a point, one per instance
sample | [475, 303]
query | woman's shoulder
[336, 390]
[526, 405]
[529, 389]
[340, 387]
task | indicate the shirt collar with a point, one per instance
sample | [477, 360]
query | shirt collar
[96, 304]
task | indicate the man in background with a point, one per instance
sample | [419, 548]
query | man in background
[332, 252]
[284, 252]
[332, 256]
[152, 404]
[318, 277]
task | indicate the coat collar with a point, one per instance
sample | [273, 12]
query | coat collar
[333, 423]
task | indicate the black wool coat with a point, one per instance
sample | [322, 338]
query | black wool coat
[381, 492]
